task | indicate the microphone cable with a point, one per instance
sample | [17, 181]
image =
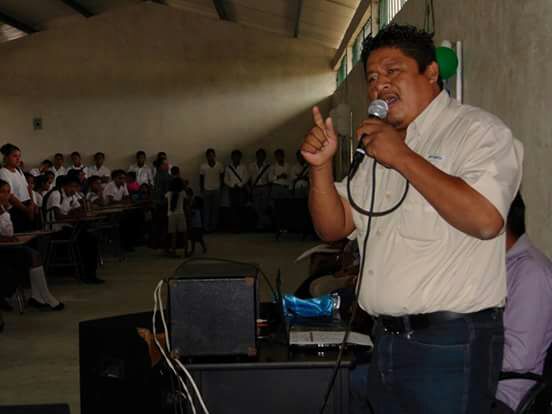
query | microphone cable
[370, 214]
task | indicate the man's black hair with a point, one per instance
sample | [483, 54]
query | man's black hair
[236, 153]
[516, 217]
[59, 154]
[117, 173]
[138, 153]
[210, 151]
[68, 180]
[280, 151]
[8, 148]
[415, 43]
[99, 154]
[75, 153]
[261, 151]
[175, 170]
[47, 162]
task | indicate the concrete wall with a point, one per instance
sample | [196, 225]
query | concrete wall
[507, 72]
[155, 78]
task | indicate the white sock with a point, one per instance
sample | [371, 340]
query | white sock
[39, 287]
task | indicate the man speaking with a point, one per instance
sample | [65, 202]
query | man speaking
[434, 271]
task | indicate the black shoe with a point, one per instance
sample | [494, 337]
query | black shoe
[36, 304]
[5, 306]
[93, 280]
[58, 307]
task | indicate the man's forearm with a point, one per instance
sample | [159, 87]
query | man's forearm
[459, 204]
[330, 217]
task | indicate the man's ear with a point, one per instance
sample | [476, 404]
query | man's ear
[432, 72]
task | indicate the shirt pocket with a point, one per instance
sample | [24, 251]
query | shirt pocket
[419, 220]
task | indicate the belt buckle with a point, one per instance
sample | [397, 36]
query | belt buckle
[400, 326]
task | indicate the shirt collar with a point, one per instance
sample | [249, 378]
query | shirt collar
[520, 247]
[423, 122]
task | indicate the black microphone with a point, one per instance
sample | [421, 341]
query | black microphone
[377, 109]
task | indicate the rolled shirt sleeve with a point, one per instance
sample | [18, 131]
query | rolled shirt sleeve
[492, 165]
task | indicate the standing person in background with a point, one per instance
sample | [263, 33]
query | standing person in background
[44, 167]
[300, 177]
[99, 169]
[23, 208]
[144, 173]
[236, 178]
[58, 168]
[260, 188]
[211, 178]
[177, 217]
[280, 175]
[77, 164]
[160, 187]
[196, 222]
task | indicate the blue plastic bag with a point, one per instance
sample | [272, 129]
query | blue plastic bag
[320, 307]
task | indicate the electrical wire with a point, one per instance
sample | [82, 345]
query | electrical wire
[370, 214]
[189, 377]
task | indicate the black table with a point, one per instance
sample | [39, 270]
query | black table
[115, 375]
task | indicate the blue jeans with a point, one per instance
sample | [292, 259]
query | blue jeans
[448, 368]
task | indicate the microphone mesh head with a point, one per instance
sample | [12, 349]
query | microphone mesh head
[378, 108]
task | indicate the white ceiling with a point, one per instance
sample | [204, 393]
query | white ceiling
[322, 21]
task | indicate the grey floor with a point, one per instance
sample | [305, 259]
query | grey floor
[39, 350]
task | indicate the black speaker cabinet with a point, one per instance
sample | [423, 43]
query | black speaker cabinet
[213, 309]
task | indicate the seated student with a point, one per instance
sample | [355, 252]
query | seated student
[177, 216]
[144, 173]
[116, 191]
[43, 169]
[58, 168]
[80, 176]
[41, 187]
[528, 311]
[63, 203]
[77, 164]
[24, 256]
[95, 194]
[51, 179]
[175, 171]
[133, 186]
[22, 210]
[260, 189]
[236, 178]
[99, 169]
[196, 221]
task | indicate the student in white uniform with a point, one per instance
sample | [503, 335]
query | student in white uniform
[259, 172]
[211, 177]
[44, 167]
[116, 190]
[24, 256]
[300, 177]
[280, 175]
[236, 178]
[99, 169]
[77, 164]
[62, 203]
[58, 168]
[22, 207]
[144, 173]
[95, 192]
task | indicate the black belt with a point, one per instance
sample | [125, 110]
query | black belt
[398, 325]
